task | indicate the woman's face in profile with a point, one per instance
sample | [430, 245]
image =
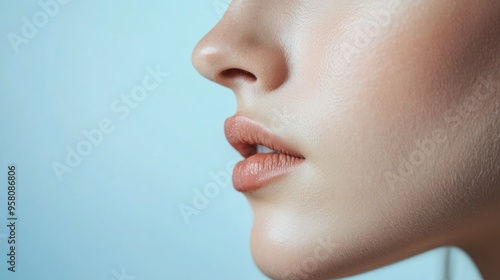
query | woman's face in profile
[392, 111]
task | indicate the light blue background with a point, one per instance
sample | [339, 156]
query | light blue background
[118, 211]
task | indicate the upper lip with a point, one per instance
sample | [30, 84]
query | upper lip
[244, 134]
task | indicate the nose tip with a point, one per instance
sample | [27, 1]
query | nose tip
[240, 57]
[201, 57]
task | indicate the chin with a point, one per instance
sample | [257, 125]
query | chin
[301, 243]
[284, 248]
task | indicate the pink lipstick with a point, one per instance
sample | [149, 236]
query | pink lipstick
[267, 157]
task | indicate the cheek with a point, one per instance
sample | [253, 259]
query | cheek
[368, 106]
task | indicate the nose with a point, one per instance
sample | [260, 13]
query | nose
[242, 53]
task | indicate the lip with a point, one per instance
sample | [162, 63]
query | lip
[258, 170]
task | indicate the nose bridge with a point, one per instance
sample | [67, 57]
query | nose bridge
[241, 51]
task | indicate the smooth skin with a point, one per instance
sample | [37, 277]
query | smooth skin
[395, 106]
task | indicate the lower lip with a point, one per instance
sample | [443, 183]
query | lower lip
[260, 170]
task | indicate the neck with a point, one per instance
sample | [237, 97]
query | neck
[487, 258]
[484, 249]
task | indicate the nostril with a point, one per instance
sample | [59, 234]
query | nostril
[235, 73]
